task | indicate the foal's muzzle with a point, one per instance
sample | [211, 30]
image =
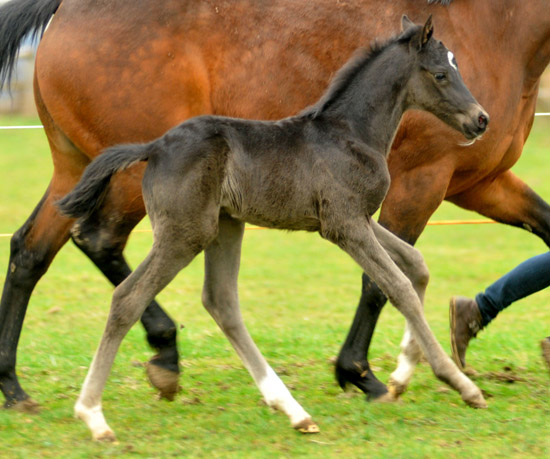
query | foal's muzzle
[475, 122]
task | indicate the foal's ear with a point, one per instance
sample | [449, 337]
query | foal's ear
[406, 23]
[427, 32]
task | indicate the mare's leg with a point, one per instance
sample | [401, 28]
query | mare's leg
[173, 249]
[361, 243]
[32, 249]
[507, 199]
[352, 365]
[103, 238]
[220, 298]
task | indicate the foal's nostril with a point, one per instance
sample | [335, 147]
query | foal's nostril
[482, 121]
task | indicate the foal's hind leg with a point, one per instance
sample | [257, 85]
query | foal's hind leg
[411, 263]
[167, 257]
[220, 298]
[103, 238]
[361, 243]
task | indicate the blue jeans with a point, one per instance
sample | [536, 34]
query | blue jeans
[525, 279]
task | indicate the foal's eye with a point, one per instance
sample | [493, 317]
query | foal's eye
[440, 76]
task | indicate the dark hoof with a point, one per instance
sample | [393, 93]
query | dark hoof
[362, 377]
[166, 381]
[28, 406]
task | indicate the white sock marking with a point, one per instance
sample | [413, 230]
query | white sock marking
[405, 367]
[94, 419]
[277, 395]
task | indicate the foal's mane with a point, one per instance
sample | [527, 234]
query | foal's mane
[344, 77]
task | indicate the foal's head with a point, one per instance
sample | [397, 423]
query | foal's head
[436, 85]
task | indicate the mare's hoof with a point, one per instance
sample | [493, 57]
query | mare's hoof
[307, 426]
[28, 406]
[164, 380]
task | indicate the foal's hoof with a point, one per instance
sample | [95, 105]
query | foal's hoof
[107, 436]
[307, 426]
[395, 389]
[164, 380]
[28, 406]
[388, 397]
[476, 402]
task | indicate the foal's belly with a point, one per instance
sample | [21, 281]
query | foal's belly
[285, 220]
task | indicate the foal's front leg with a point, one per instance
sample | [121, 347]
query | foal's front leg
[411, 263]
[361, 243]
[220, 298]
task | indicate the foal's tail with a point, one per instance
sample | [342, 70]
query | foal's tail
[90, 191]
[20, 19]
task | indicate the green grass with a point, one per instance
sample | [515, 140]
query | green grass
[298, 297]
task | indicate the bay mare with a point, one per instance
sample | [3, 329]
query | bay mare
[323, 170]
[100, 65]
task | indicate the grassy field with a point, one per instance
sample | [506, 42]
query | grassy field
[298, 295]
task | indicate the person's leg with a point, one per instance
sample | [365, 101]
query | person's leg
[525, 279]
[468, 316]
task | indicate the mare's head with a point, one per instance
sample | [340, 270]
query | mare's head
[436, 85]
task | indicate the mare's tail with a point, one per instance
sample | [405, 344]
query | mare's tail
[19, 19]
[89, 192]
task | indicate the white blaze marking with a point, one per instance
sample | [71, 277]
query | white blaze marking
[451, 58]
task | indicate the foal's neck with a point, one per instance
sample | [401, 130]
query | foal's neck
[374, 102]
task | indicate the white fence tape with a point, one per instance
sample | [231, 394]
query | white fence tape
[38, 126]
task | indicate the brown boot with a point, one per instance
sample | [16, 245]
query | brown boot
[545, 345]
[466, 322]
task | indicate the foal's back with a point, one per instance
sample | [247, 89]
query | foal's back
[289, 174]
